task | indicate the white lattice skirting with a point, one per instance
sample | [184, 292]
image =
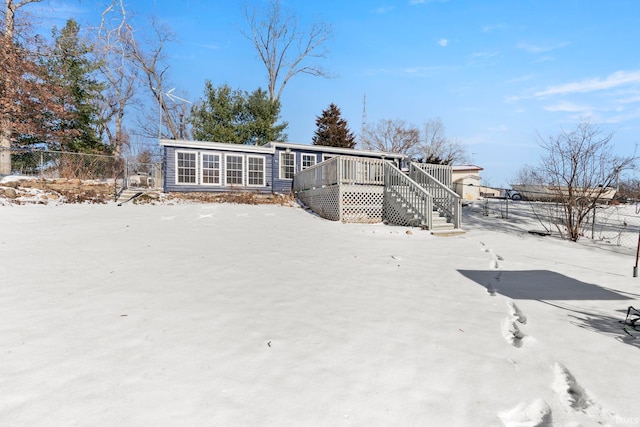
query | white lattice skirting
[346, 203]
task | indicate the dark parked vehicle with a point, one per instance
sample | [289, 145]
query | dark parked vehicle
[512, 194]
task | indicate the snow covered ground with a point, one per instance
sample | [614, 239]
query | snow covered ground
[235, 315]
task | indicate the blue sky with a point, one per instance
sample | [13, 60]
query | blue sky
[496, 73]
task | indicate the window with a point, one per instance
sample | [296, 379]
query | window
[308, 160]
[287, 165]
[234, 170]
[186, 167]
[211, 169]
[327, 156]
[255, 171]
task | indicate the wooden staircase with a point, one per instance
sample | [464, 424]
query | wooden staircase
[407, 202]
[440, 225]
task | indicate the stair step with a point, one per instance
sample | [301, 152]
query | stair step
[127, 195]
[444, 233]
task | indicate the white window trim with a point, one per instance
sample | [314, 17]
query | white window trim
[264, 170]
[176, 167]
[242, 175]
[328, 156]
[280, 165]
[307, 155]
[221, 160]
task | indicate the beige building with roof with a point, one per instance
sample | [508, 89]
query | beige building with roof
[466, 181]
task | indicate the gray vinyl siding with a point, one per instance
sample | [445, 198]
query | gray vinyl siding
[281, 185]
[284, 185]
[271, 158]
[170, 184]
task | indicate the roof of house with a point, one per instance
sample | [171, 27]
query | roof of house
[336, 150]
[182, 143]
[272, 146]
[459, 168]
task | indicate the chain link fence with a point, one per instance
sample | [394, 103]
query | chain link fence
[60, 164]
[612, 224]
[145, 175]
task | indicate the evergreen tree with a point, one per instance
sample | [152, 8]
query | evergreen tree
[332, 130]
[70, 66]
[236, 116]
[262, 113]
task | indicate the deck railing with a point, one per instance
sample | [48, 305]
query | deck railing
[442, 173]
[408, 199]
[341, 170]
[445, 200]
[407, 196]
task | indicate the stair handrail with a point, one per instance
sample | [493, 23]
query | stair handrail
[446, 201]
[410, 191]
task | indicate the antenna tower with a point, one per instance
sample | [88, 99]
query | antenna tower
[364, 111]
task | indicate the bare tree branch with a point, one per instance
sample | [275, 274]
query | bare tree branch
[114, 38]
[437, 147]
[579, 167]
[391, 136]
[154, 73]
[282, 47]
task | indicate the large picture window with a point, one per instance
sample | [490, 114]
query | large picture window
[287, 165]
[308, 160]
[211, 169]
[234, 170]
[255, 171]
[186, 167]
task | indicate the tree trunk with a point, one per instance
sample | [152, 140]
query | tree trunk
[9, 80]
[5, 149]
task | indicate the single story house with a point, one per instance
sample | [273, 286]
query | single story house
[200, 166]
[466, 181]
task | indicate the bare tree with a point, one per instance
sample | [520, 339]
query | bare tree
[391, 136]
[436, 147]
[114, 38]
[283, 47]
[580, 167]
[149, 58]
[629, 189]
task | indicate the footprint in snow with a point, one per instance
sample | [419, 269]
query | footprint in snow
[490, 286]
[536, 414]
[510, 329]
[568, 389]
[200, 216]
[512, 333]
[516, 313]
[491, 290]
[576, 398]
[494, 257]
